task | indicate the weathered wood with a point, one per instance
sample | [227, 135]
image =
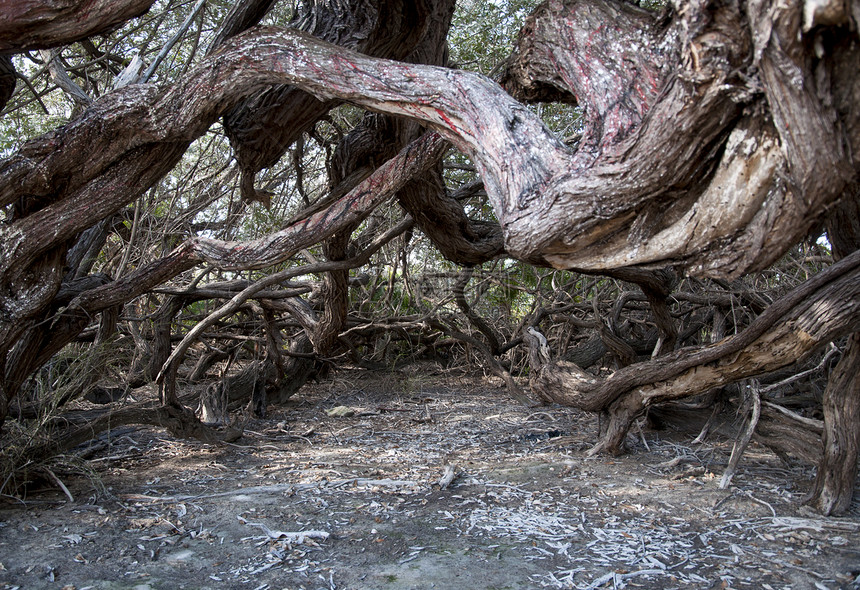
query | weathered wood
[264, 125]
[352, 157]
[448, 475]
[564, 223]
[101, 161]
[825, 307]
[37, 24]
[789, 439]
[833, 489]
[244, 15]
[439, 215]
[716, 137]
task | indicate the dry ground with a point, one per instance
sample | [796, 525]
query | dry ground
[526, 509]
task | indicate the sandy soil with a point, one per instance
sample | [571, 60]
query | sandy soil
[308, 500]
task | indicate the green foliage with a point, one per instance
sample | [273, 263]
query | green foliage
[200, 196]
[483, 33]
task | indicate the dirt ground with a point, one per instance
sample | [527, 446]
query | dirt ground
[307, 500]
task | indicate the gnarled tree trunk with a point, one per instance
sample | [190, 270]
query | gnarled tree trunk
[717, 135]
[824, 308]
[835, 479]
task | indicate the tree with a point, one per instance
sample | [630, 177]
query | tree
[716, 136]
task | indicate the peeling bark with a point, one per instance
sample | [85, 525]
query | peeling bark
[556, 207]
[833, 488]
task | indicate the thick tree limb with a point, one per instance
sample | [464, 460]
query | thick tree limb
[266, 124]
[561, 57]
[37, 24]
[383, 184]
[833, 488]
[166, 376]
[439, 215]
[638, 190]
[825, 307]
[31, 262]
[244, 15]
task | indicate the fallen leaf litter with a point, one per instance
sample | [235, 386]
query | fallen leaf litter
[356, 500]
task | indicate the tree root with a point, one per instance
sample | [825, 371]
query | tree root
[179, 420]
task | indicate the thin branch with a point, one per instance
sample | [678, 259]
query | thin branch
[61, 78]
[744, 440]
[239, 299]
[173, 41]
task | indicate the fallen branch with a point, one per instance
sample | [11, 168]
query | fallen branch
[296, 538]
[448, 476]
[283, 488]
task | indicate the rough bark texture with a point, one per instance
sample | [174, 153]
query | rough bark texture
[833, 489]
[244, 15]
[436, 213]
[263, 127]
[350, 209]
[716, 136]
[36, 24]
[822, 309]
[835, 479]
